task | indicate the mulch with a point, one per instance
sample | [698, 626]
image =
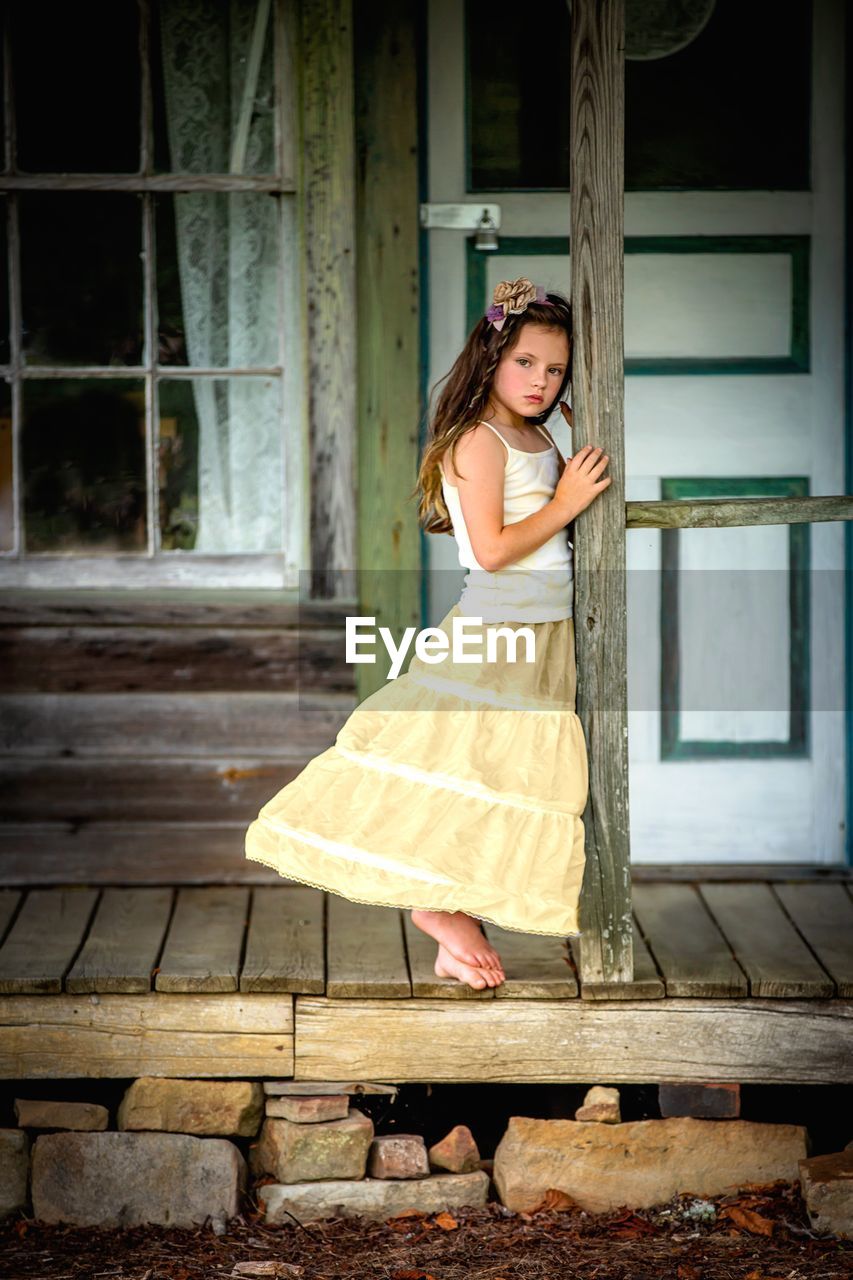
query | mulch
[762, 1233]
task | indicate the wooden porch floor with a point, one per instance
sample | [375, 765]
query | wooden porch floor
[733, 979]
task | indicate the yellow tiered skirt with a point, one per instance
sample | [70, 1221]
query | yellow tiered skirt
[455, 787]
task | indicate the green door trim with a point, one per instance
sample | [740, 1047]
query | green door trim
[673, 746]
[798, 359]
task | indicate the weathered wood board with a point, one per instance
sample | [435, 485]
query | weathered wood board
[44, 1037]
[762, 1041]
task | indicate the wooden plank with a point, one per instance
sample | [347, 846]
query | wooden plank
[575, 1041]
[281, 726]
[725, 513]
[646, 984]
[823, 913]
[128, 854]
[767, 946]
[388, 308]
[365, 952]
[284, 947]
[536, 968]
[171, 608]
[44, 939]
[764, 871]
[422, 950]
[100, 789]
[123, 941]
[100, 659]
[91, 1036]
[597, 182]
[694, 957]
[328, 243]
[202, 950]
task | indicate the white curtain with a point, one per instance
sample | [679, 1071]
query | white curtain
[220, 98]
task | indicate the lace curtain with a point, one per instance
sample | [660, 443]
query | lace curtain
[220, 97]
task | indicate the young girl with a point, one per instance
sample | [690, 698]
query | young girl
[456, 790]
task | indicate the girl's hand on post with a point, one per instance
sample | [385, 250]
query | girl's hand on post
[580, 484]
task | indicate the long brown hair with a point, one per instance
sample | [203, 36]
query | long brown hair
[464, 398]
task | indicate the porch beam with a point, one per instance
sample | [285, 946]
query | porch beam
[328, 248]
[388, 304]
[597, 182]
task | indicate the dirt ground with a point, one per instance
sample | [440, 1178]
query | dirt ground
[761, 1234]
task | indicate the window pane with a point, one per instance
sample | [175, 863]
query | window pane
[214, 87]
[7, 513]
[220, 464]
[76, 69]
[83, 451]
[217, 279]
[81, 278]
[730, 109]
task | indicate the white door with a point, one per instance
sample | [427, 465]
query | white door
[734, 331]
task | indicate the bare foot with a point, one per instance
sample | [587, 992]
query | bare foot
[447, 966]
[461, 935]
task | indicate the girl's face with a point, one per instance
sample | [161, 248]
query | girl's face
[529, 376]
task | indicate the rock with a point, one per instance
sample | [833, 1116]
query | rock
[398, 1155]
[600, 1104]
[376, 1199]
[267, 1270]
[129, 1179]
[88, 1117]
[642, 1162]
[14, 1167]
[216, 1107]
[827, 1186]
[295, 1088]
[307, 1152]
[708, 1101]
[456, 1152]
[309, 1110]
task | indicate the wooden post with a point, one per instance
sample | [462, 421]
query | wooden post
[387, 229]
[597, 253]
[328, 180]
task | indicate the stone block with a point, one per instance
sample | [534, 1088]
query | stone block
[301, 1088]
[708, 1101]
[203, 1107]
[600, 1104]
[129, 1179]
[456, 1152]
[14, 1169]
[84, 1117]
[376, 1199]
[309, 1110]
[398, 1155]
[826, 1183]
[642, 1162]
[308, 1152]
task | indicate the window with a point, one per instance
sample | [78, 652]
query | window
[149, 197]
[728, 109]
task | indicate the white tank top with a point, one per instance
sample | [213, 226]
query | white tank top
[538, 587]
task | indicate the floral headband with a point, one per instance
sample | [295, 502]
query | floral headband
[511, 297]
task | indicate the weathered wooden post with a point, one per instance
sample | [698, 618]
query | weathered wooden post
[597, 251]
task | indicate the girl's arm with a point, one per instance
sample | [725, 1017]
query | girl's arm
[480, 457]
